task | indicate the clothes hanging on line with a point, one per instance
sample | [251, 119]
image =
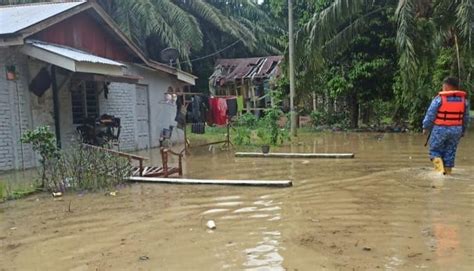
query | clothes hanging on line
[180, 112]
[240, 103]
[231, 107]
[197, 109]
[198, 128]
[218, 107]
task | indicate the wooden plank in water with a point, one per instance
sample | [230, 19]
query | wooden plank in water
[274, 183]
[294, 155]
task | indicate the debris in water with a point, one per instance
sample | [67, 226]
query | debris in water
[144, 258]
[57, 194]
[112, 193]
[412, 255]
[211, 224]
[367, 249]
[69, 207]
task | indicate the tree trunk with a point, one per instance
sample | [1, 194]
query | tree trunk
[366, 113]
[315, 101]
[331, 111]
[354, 109]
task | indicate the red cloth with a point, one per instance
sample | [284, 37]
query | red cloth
[219, 110]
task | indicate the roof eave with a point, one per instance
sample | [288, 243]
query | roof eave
[20, 35]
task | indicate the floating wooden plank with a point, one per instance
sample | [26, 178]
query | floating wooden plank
[277, 183]
[294, 155]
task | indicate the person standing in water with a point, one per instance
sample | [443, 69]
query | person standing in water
[447, 119]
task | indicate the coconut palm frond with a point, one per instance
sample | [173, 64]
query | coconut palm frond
[465, 21]
[184, 24]
[343, 39]
[324, 25]
[208, 13]
[406, 20]
[146, 22]
[153, 21]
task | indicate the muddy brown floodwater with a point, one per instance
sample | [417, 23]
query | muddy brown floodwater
[383, 210]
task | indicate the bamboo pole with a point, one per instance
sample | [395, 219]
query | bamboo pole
[295, 155]
[272, 183]
[291, 67]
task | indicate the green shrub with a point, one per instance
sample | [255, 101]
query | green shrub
[2, 191]
[322, 118]
[242, 135]
[319, 118]
[76, 168]
[269, 130]
[43, 141]
[248, 120]
[82, 168]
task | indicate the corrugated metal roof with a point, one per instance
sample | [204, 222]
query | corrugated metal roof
[74, 54]
[229, 70]
[16, 18]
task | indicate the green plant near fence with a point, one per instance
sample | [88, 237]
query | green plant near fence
[76, 168]
[43, 142]
[82, 168]
[266, 130]
[2, 191]
[9, 191]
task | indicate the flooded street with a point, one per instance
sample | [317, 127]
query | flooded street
[386, 209]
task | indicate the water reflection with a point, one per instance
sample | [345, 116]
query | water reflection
[265, 255]
[385, 209]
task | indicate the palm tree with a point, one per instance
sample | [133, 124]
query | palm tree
[183, 24]
[425, 30]
[451, 23]
[189, 25]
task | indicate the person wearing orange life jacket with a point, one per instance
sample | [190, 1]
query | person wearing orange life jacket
[447, 118]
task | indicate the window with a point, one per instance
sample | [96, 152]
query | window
[85, 102]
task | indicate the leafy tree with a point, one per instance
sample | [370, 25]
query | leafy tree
[427, 32]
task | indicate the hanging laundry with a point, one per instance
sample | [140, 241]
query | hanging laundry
[219, 110]
[240, 103]
[198, 128]
[196, 109]
[180, 112]
[231, 106]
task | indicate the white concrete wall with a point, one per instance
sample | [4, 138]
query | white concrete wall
[121, 104]
[42, 108]
[15, 116]
[162, 115]
[21, 110]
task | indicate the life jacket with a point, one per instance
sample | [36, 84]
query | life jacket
[451, 111]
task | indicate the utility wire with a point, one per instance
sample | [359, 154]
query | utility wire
[213, 54]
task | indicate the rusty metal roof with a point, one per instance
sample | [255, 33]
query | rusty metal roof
[18, 17]
[230, 70]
